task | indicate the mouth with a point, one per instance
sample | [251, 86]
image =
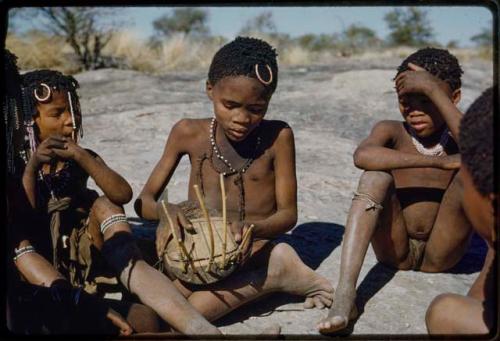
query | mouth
[419, 126]
[237, 134]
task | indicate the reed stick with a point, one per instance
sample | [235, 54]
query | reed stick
[180, 250]
[224, 219]
[210, 228]
[246, 237]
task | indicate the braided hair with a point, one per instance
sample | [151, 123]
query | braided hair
[12, 115]
[438, 62]
[42, 83]
[476, 141]
[246, 56]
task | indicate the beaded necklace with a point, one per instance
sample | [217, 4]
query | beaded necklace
[436, 150]
[232, 170]
[238, 180]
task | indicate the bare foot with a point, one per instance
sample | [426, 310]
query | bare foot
[120, 322]
[287, 273]
[343, 310]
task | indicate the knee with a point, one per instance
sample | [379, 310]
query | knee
[143, 319]
[103, 207]
[375, 183]
[440, 314]
[282, 251]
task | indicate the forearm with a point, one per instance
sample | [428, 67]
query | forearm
[114, 186]
[29, 182]
[381, 158]
[280, 222]
[448, 110]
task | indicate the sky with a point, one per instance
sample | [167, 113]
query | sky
[457, 23]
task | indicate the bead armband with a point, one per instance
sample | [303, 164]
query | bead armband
[22, 251]
[111, 220]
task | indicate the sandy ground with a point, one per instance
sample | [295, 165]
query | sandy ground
[127, 118]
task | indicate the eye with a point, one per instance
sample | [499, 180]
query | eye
[230, 105]
[256, 110]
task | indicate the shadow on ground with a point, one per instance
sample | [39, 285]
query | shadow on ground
[313, 242]
[473, 259]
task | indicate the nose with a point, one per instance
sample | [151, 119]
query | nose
[242, 117]
[68, 119]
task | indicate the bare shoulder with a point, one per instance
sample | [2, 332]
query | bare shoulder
[276, 133]
[388, 129]
[384, 133]
[188, 127]
[388, 126]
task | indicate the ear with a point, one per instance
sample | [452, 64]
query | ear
[456, 96]
[209, 89]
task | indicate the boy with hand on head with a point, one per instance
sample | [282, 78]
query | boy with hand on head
[408, 199]
[81, 224]
[476, 312]
[256, 158]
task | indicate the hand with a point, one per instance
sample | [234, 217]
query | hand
[164, 230]
[417, 80]
[449, 162]
[120, 322]
[70, 151]
[243, 235]
[46, 150]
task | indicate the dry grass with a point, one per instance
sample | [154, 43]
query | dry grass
[36, 50]
[180, 52]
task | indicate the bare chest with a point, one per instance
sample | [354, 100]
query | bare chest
[420, 192]
[250, 190]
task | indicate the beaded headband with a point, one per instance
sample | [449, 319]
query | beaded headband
[259, 76]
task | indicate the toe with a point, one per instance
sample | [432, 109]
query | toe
[326, 301]
[334, 323]
[308, 303]
[318, 303]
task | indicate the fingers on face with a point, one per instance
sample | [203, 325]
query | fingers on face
[415, 67]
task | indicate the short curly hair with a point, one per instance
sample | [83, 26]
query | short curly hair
[439, 62]
[476, 141]
[240, 57]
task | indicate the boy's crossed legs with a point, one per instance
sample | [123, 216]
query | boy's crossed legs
[386, 230]
[272, 268]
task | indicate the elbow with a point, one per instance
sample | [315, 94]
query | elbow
[364, 159]
[359, 158]
[123, 196]
[291, 221]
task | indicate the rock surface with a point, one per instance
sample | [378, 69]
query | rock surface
[127, 118]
